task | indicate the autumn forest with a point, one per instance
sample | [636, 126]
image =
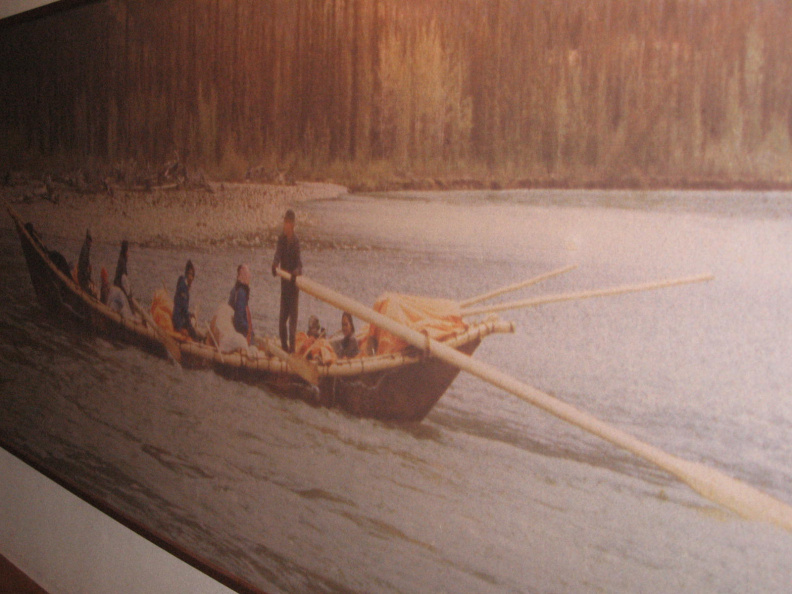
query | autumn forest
[377, 93]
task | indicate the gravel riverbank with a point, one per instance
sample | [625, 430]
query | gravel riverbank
[228, 214]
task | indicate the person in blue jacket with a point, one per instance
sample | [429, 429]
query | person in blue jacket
[182, 321]
[238, 300]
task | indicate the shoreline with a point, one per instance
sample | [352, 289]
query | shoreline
[249, 213]
[224, 214]
[637, 184]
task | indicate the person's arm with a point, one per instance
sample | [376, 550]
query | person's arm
[298, 268]
[278, 254]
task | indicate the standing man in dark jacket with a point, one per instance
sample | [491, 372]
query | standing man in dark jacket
[287, 257]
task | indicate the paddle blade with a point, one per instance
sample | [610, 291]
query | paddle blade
[171, 346]
[305, 369]
[733, 494]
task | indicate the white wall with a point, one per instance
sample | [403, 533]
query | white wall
[67, 546]
[11, 7]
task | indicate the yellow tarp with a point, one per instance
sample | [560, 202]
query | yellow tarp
[438, 318]
[162, 310]
[314, 349]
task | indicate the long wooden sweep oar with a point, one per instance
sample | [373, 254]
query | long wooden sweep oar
[533, 302]
[305, 369]
[171, 347]
[214, 341]
[744, 499]
[511, 288]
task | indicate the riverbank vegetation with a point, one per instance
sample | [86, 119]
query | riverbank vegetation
[432, 93]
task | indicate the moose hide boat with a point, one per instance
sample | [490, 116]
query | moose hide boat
[401, 385]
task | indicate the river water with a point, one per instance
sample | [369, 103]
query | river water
[487, 494]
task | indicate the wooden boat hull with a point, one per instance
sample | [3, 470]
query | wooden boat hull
[62, 299]
[400, 388]
[403, 394]
[406, 393]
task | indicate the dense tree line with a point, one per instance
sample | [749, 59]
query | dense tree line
[543, 90]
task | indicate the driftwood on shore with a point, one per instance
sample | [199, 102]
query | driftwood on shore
[126, 177]
[282, 176]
